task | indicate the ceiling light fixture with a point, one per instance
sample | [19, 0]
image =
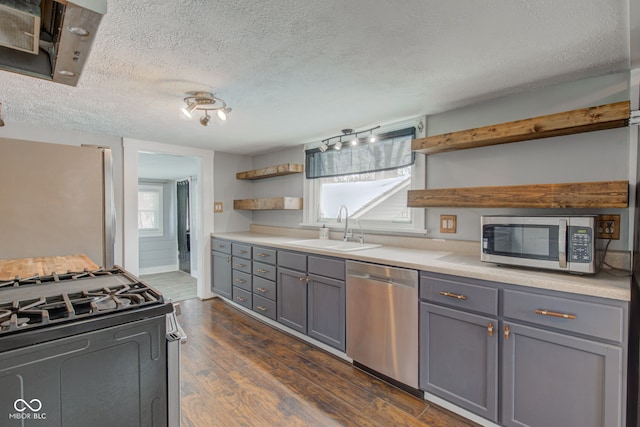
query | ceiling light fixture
[204, 120]
[207, 102]
[351, 136]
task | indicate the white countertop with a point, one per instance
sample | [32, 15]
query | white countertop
[602, 285]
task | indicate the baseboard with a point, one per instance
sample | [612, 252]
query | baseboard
[158, 269]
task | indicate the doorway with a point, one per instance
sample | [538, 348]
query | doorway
[167, 165]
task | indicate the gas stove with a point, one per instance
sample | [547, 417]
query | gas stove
[66, 338]
[40, 307]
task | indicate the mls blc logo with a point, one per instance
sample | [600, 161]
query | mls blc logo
[21, 406]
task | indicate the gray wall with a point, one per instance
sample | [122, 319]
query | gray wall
[226, 188]
[594, 156]
[287, 185]
[160, 254]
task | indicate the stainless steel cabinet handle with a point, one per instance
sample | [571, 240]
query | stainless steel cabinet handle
[262, 255]
[239, 281]
[239, 265]
[241, 299]
[452, 295]
[507, 332]
[263, 290]
[490, 329]
[261, 308]
[554, 314]
[260, 270]
[241, 252]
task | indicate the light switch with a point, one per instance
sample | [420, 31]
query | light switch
[217, 207]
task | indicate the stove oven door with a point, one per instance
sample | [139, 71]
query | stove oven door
[115, 376]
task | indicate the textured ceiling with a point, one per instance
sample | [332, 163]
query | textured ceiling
[299, 71]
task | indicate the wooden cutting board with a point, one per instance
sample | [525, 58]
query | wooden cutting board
[28, 267]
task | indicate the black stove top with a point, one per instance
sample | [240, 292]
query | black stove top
[44, 302]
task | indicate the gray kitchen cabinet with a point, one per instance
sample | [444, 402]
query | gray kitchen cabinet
[459, 342]
[561, 358]
[221, 267]
[264, 285]
[292, 299]
[326, 318]
[459, 358]
[312, 296]
[553, 379]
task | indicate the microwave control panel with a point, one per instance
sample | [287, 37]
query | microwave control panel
[580, 244]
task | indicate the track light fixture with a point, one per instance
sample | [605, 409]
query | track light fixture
[351, 136]
[207, 102]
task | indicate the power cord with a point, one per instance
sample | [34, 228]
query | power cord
[613, 271]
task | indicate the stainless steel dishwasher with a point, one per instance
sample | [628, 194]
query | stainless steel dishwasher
[382, 320]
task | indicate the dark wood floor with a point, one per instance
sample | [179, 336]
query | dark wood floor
[237, 371]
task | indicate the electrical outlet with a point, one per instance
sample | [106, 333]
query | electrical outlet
[217, 207]
[608, 227]
[448, 223]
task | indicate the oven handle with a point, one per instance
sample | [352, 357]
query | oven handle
[562, 243]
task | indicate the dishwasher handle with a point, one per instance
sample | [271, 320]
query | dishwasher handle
[385, 280]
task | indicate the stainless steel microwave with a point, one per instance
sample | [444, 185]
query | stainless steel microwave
[565, 243]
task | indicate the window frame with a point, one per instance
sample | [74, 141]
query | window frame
[159, 231]
[311, 198]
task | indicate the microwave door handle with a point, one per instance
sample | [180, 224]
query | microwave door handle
[562, 243]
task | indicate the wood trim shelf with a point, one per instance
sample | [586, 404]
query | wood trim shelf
[271, 171]
[270, 203]
[605, 194]
[590, 119]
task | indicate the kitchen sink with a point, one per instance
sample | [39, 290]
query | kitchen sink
[334, 245]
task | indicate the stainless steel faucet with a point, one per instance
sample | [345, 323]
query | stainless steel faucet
[347, 232]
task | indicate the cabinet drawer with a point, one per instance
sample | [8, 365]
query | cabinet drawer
[220, 245]
[241, 250]
[264, 255]
[242, 280]
[456, 293]
[583, 317]
[266, 271]
[242, 297]
[292, 260]
[265, 288]
[264, 306]
[327, 267]
[241, 264]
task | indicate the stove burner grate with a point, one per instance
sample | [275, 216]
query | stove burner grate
[40, 301]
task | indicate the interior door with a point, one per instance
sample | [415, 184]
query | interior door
[184, 229]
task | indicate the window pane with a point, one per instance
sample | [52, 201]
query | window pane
[379, 196]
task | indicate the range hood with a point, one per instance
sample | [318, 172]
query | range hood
[48, 39]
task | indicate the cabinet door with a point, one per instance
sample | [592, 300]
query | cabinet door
[292, 299]
[552, 379]
[221, 274]
[326, 305]
[459, 358]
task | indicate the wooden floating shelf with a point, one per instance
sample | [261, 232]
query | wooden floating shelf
[271, 203]
[601, 117]
[271, 171]
[606, 194]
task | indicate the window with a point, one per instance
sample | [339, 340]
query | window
[150, 202]
[370, 179]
